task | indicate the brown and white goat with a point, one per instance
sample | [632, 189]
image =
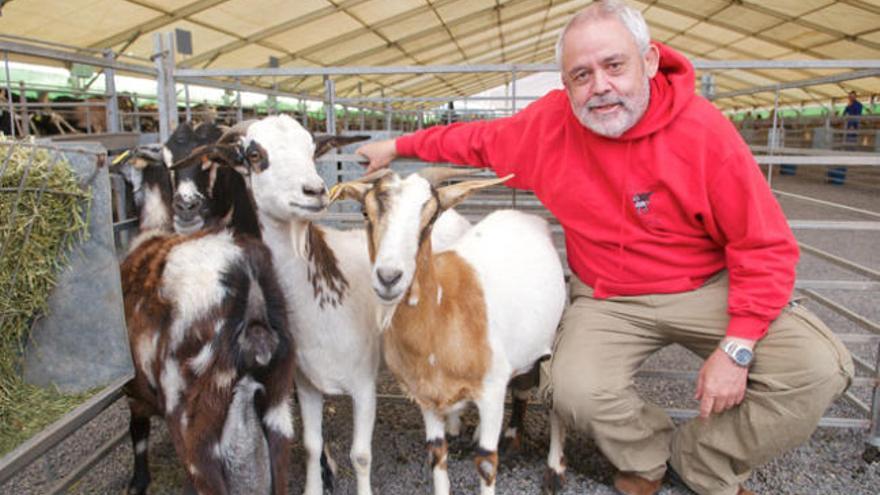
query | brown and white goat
[460, 323]
[207, 324]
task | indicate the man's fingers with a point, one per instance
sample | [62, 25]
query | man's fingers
[706, 406]
[721, 404]
[698, 395]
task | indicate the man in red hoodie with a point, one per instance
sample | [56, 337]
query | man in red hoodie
[673, 236]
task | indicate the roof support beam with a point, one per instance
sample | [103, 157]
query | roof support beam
[131, 34]
[801, 84]
[269, 32]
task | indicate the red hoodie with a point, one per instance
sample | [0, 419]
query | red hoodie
[673, 201]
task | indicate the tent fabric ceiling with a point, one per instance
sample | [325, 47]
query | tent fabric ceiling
[245, 33]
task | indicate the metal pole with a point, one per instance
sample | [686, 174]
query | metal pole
[305, 113]
[330, 104]
[112, 108]
[239, 111]
[160, 53]
[9, 95]
[137, 112]
[362, 109]
[873, 440]
[25, 118]
[512, 92]
[775, 137]
[187, 103]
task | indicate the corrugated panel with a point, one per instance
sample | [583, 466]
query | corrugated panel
[792, 7]
[845, 18]
[316, 31]
[203, 39]
[240, 16]
[249, 56]
[74, 23]
[759, 49]
[747, 19]
[845, 50]
[410, 25]
[378, 10]
[345, 49]
[719, 35]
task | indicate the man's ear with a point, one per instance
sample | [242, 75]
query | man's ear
[326, 142]
[456, 193]
[652, 60]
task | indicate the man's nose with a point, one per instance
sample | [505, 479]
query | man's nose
[601, 84]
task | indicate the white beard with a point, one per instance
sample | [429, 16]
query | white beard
[629, 113]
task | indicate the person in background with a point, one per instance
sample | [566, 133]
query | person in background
[673, 236]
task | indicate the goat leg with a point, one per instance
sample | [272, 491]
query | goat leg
[554, 476]
[139, 429]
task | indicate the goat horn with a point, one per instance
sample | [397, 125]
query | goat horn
[239, 129]
[436, 175]
[374, 176]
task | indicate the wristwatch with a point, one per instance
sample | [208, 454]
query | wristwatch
[740, 354]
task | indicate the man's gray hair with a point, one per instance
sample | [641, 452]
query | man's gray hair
[631, 18]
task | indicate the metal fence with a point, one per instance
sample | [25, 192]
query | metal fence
[388, 116]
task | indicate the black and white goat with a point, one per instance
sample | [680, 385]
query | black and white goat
[213, 354]
[325, 273]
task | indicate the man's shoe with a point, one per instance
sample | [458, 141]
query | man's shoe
[743, 491]
[632, 484]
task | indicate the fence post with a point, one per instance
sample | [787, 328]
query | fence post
[330, 104]
[25, 117]
[239, 111]
[872, 447]
[163, 54]
[186, 103]
[112, 106]
[9, 95]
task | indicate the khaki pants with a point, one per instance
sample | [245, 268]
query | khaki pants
[800, 367]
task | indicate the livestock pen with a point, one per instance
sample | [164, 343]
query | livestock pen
[837, 227]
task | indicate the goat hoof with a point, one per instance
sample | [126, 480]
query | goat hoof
[138, 486]
[328, 471]
[511, 446]
[552, 483]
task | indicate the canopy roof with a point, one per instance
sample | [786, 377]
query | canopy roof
[245, 33]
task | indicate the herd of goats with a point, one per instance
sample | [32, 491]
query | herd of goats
[235, 298]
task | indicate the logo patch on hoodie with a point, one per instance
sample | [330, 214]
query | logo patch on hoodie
[642, 201]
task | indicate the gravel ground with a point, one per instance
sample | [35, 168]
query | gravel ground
[830, 463]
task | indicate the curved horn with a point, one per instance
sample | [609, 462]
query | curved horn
[374, 176]
[436, 175]
[236, 131]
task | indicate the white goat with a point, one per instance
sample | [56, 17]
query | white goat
[325, 274]
[463, 322]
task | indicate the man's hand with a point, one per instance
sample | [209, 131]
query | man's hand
[721, 384]
[380, 154]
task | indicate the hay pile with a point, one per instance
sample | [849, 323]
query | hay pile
[43, 212]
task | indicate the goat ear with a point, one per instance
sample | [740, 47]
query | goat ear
[326, 142]
[456, 193]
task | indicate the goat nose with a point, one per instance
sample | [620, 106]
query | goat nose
[389, 276]
[313, 190]
[185, 206]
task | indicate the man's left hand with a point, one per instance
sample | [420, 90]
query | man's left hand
[721, 383]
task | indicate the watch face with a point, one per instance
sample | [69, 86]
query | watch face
[743, 356]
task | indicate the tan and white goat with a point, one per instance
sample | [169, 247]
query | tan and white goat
[459, 323]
